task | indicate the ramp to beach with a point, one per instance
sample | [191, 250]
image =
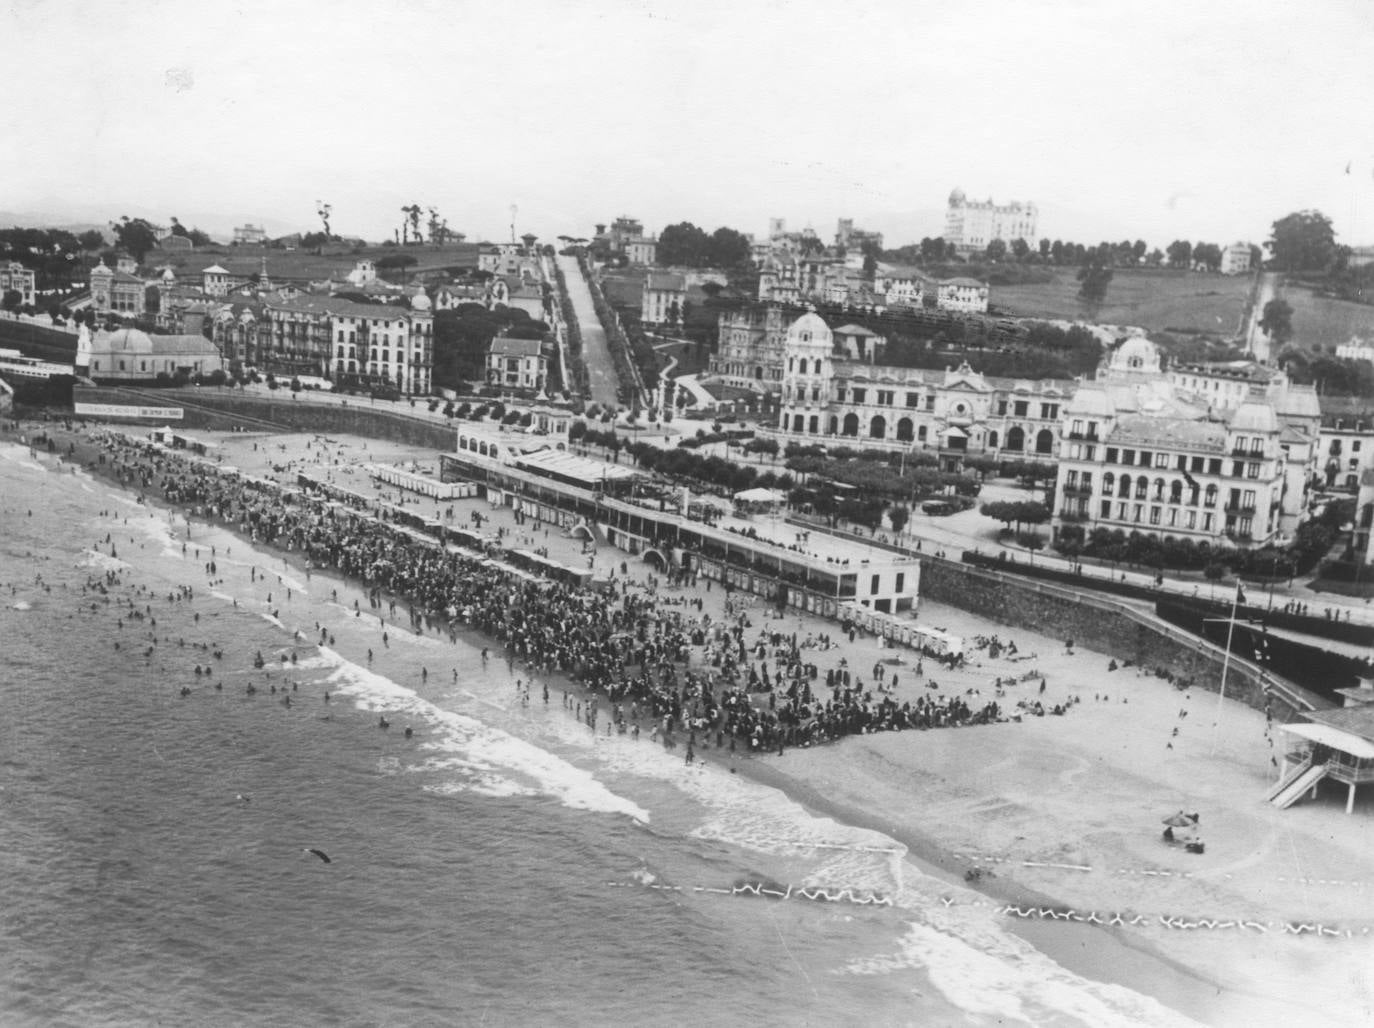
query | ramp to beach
[1306, 778]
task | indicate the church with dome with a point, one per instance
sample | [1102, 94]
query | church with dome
[1142, 451]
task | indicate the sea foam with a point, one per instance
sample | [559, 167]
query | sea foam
[490, 754]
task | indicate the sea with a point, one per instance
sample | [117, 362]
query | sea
[164, 834]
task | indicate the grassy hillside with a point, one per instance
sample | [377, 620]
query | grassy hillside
[1322, 322]
[1179, 301]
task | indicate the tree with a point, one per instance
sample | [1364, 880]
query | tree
[91, 240]
[199, 238]
[324, 210]
[1180, 253]
[412, 222]
[871, 254]
[178, 229]
[898, 516]
[1208, 254]
[1094, 277]
[1057, 251]
[11, 300]
[135, 236]
[1020, 249]
[997, 250]
[683, 244]
[1138, 249]
[1277, 321]
[1045, 246]
[729, 249]
[1303, 241]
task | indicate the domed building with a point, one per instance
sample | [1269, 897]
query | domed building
[1141, 454]
[837, 391]
[807, 371]
[131, 355]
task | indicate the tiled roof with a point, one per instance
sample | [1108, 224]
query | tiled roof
[971, 283]
[505, 346]
[670, 280]
[1176, 433]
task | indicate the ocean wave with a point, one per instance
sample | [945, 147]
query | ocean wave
[490, 753]
[103, 561]
[986, 971]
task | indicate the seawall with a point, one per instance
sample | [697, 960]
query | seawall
[1109, 627]
[223, 409]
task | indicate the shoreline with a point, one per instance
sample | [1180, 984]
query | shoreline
[1113, 956]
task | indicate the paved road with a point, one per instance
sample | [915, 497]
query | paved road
[1255, 339]
[601, 376]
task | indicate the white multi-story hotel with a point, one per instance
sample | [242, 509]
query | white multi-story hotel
[970, 226]
[1140, 454]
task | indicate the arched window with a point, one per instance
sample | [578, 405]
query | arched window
[904, 433]
[992, 440]
[1211, 499]
[815, 424]
[798, 423]
[851, 424]
[834, 425]
[1142, 488]
[1044, 441]
[1176, 492]
[1016, 438]
[1159, 488]
[1125, 490]
[791, 363]
[818, 365]
[878, 427]
[1108, 482]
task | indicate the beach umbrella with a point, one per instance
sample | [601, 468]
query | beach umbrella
[1180, 820]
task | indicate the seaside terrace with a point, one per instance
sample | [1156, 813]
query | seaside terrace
[767, 556]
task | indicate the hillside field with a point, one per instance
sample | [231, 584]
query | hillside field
[1326, 323]
[1183, 301]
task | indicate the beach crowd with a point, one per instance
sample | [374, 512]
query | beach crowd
[691, 678]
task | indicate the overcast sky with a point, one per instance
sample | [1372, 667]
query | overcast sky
[1159, 120]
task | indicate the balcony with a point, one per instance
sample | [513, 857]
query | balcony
[1078, 489]
[1087, 437]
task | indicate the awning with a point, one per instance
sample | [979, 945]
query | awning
[1333, 737]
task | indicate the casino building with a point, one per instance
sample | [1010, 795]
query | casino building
[836, 391]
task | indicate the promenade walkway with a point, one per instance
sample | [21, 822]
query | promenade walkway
[596, 352]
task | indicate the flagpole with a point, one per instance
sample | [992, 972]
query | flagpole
[1225, 666]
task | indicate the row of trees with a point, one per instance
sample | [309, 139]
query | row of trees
[1311, 543]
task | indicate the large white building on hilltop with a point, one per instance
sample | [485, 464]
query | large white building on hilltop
[970, 226]
[1142, 454]
[835, 390]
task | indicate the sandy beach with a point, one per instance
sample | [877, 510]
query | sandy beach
[1060, 812]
